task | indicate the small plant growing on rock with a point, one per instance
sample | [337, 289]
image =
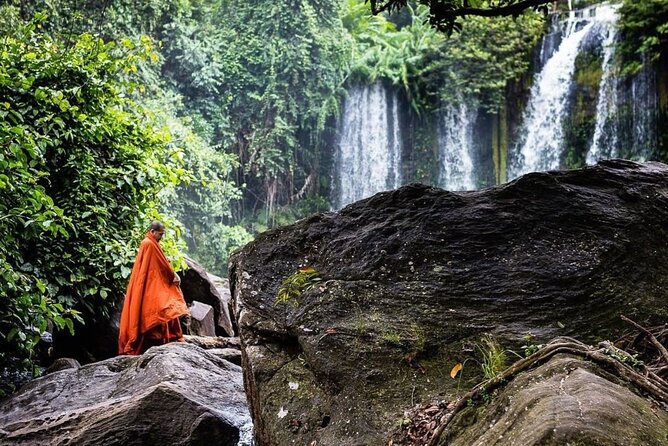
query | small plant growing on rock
[295, 284]
[493, 357]
[529, 347]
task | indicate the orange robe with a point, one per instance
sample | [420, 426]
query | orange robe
[153, 302]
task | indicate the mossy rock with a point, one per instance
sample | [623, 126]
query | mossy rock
[412, 278]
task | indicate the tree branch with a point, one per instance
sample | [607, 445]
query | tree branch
[650, 336]
[447, 11]
[513, 9]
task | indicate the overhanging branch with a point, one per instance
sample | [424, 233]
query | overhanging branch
[447, 11]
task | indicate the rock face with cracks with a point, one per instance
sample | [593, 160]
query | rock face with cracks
[565, 401]
[175, 394]
[411, 279]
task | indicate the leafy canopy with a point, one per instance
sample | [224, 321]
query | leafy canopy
[80, 169]
[444, 14]
[644, 25]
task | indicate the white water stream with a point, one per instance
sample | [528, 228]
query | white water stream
[604, 142]
[369, 147]
[540, 149]
[455, 141]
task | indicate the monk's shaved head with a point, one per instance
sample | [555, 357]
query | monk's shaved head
[156, 226]
[157, 229]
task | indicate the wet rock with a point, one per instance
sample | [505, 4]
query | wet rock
[410, 280]
[62, 364]
[208, 342]
[174, 394]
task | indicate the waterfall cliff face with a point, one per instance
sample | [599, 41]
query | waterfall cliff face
[625, 115]
[642, 99]
[455, 141]
[368, 156]
[541, 137]
[580, 109]
[604, 143]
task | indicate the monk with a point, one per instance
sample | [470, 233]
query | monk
[153, 302]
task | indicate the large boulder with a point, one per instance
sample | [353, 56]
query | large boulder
[199, 285]
[175, 394]
[410, 280]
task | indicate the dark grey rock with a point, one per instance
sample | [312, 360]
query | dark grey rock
[199, 285]
[175, 394]
[229, 354]
[413, 277]
[62, 364]
[209, 342]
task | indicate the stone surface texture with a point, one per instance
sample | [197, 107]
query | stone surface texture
[199, 285]
[566, 401]
[175, 394]
[201, 319]
[412, 278]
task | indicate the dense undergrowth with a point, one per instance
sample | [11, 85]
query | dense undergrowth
[216, 115]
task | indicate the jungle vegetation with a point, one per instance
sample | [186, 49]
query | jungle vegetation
[213, 115]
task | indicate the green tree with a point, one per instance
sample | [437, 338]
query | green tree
[644, 26]
[478, 62]
[81, 166]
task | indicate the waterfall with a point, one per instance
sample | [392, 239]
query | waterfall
[455, 141]
[604, 142]
[644, 106]
[369, 146]
[550, 42]
[542, 134]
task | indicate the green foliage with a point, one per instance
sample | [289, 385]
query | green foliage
[479, 62]
[261, 86]
[267, 86]
[383, 51]
[644, 26]
[186, 70]
[295, 284]
[201, 202]
[494, 357]
[446, 14]
[284, 71]
[529, 347]
[80, 168]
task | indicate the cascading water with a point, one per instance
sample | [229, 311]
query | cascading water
[604, 142]
[369, 148]
[455, 140]
[643, 98]
[540, 148]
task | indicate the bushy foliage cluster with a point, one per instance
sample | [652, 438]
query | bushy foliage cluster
[479, 61]
[644, 25]
[202, 202]
[282, 74]
[185, 88]
[473, 64]
[81, 166]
